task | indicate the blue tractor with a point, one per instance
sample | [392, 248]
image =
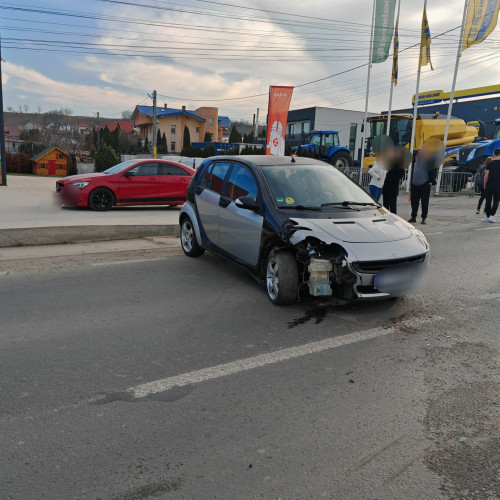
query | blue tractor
[471, 156]
[325, 145]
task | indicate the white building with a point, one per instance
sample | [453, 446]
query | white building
[347, 123]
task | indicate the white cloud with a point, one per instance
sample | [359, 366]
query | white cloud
[64, 94]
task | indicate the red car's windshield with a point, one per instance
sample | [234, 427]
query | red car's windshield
[120, 167]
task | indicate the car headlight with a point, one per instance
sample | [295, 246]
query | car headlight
[80, 185]
[471, 155]
[422, 239]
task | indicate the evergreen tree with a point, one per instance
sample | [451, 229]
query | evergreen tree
[164, 146]
[105, 157]
[263, 133]
[186, 142]
[146, 146]
[158, 141]
[234, 136]
[208, 137]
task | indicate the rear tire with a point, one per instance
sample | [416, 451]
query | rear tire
[341, 160]
[101, 199]
[189, 243]
[282, 278]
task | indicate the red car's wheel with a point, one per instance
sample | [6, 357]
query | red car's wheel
[101, 199]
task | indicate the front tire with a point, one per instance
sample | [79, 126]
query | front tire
[189, 243]
[282, 279]
[101, 199]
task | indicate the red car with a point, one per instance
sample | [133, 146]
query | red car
[133, 182]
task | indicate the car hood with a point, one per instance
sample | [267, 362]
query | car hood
[375, 229]
[82, 177]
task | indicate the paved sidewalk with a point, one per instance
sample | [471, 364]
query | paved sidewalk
[30, 201]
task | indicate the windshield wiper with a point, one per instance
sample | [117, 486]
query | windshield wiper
[347, 203]
[301, 207]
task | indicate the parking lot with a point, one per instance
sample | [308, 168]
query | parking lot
[178, 378]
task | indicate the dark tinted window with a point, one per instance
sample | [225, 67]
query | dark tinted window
[145, 169]
[214, 176]
[167, 169]
[241, 183]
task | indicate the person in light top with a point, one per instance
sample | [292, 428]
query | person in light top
[377, 173]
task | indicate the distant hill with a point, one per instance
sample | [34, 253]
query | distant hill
[21, 119]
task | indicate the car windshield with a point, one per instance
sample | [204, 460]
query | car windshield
[120, 167]
[316, 185]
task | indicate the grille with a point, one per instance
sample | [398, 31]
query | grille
[464, 151]
[379, 265]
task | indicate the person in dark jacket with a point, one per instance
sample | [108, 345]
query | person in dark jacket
[480, 182]
[423, 177]
[395, 174]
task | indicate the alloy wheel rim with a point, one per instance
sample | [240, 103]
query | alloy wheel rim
[187, 236]
[272, 278]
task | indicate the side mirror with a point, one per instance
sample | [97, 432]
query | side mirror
[246, 202]
[129, 174]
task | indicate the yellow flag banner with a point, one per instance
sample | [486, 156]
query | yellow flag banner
[482, 16]
[425, 42]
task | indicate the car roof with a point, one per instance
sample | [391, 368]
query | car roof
[265, 160]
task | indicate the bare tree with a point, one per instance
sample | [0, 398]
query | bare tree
[127, 114]
[26, 108]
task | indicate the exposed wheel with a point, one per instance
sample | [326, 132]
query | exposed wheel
[188, 239]
[342, 160]
[282, 278]
[101, 199]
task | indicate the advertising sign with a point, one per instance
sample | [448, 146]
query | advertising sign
[279, 104]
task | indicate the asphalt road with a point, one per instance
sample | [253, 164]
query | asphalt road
[386, 400]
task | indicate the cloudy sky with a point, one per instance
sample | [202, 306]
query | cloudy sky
[107, 55]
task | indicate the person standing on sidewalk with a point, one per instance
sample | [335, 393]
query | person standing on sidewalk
[392, 181]
[377, 173]
[480, 182]
[492, 187]
[424, 176]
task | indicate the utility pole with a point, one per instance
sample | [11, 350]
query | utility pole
[98, 130]
[2, 127]
[154, 124]
[253, 128]
[257, 124]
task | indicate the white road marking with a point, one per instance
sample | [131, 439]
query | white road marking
[487, 228]
[242, 365]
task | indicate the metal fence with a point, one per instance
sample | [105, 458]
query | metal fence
[452, 183]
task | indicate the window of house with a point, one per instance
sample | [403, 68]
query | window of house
[197, 129]
[61, 166]
[241, 183]
[61, 156]
[42, 165]
[172, 146]
[211, 122]
[172, 129]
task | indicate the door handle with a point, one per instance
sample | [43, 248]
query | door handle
[153, 178]
[224, 202]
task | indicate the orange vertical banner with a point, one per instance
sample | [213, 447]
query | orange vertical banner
[279, 103]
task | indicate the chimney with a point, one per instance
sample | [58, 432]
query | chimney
[165, 105]
[183, 108]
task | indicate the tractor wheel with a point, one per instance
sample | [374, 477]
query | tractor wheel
[341, 160]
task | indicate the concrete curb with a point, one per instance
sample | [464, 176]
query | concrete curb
[71, 234]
